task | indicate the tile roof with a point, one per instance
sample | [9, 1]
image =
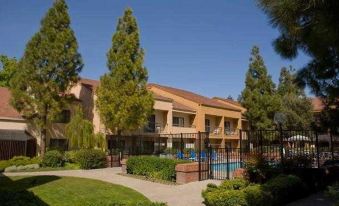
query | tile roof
[317, 104]
[90, 82]
[178, 106]
[6, 109]
[229, 101]
[161, 98]
[193, 97]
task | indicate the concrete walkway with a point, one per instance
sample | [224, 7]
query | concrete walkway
[173, 195]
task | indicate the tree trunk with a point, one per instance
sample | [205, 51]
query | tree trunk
[44, 133]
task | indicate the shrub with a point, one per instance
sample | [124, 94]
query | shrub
[255, 196]
[298, 161]
[222, 197]
[53, 158]
[285, 188]
[90, 158]
[257, 168]
[333, 192]
[236, 184]
[70, 156]
[153, 167]
[277, 191]
[18, 161]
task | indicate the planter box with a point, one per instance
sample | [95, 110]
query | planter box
[188, 172]
[123, 166]
[113, 160]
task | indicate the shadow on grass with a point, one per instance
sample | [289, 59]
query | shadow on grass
[15, 192]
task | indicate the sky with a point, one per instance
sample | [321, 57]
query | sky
[197, 45]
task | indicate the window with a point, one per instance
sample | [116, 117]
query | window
[63, 117]
[151, 124]
[207, 125]
[227, 127]
[178, 122]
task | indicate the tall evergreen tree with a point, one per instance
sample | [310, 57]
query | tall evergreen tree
[294, 103]
[259, 96]
[312, 27]
[7, 71]
[49, 66]
[124, 102]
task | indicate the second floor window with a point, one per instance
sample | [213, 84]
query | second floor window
[207, 125]
[178, 122]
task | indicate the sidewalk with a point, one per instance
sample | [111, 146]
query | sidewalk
[174, 195]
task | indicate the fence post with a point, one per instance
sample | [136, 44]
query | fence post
[332, 151]
[240, 145]
[317, 148]
[182, 144]
[159, 142]
[281, 138]
[261, 142]
[199, 155]
[111, 151]
[227, 163]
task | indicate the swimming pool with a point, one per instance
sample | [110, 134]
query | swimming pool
[222, 167]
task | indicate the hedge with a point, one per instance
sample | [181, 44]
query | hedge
[153, 167]
[90, 158]
[53, 158]
[277, 191]
[19, 161]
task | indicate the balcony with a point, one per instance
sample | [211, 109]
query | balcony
[182, 129]
[153, 127]
[231, 133]
[214, 131]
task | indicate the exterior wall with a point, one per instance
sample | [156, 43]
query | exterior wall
[189, 127]
[13, 124]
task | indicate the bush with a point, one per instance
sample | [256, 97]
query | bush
[257, 169]
[70, 156]
[223, 197]
[90, 158]
[333, 192]
[285, 188]
[236, 184]
[255, 196]
[18, 161]
[53, 158]
[277, 191]
[153, 167]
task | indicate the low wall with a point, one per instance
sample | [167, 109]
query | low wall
[123, 166]
[189, 172]
[113, 161]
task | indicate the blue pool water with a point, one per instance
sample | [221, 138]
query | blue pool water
[222, 167]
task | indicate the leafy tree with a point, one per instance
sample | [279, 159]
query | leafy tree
[259, 96]
[230, 97]
[7, 71]
[312, 27]
[79, 131]
[124, 102]
[49, 66]
[294, 103]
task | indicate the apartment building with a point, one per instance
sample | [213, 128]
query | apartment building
[221, 120]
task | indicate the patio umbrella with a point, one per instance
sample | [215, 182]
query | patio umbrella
[296, 138]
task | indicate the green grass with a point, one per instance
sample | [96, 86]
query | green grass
[67, 166]
[58, 191]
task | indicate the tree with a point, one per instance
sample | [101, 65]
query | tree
[79, 131]
[312, 27]
[259, 96]
[124, 102]
[295, 106]
[230, 97]
[7, 70]
[48, 68]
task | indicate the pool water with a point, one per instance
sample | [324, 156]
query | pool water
[222, 167]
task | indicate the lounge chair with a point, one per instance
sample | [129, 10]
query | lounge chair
[180, 155]
[192, 156]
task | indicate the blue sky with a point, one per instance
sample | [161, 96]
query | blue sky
[197, 45]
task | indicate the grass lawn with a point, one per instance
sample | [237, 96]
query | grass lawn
[54, 190]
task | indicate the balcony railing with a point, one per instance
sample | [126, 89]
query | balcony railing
[230, 132]
[153, 128]
[216, 131]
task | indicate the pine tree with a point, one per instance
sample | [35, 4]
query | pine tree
[7, 71]
[259, 96]
[295, 105]
[124, 102]
[49, 66]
